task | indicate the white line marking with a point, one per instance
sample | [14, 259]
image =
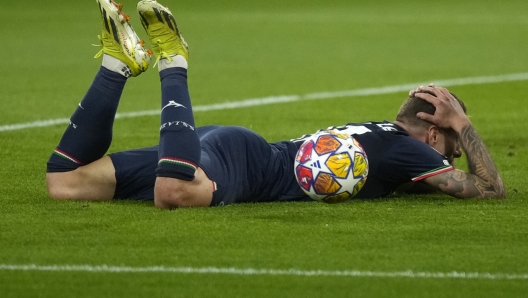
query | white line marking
[252, 271]
[291, 98]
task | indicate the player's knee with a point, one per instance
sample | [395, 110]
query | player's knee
[170, 193]
[60, 187]
[169, 198]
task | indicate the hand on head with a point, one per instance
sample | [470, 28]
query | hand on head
[421, 88]
[449, 113]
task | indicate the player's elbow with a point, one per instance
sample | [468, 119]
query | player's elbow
[500, 193]
[496, 192]
[499, 190]
[492, 195]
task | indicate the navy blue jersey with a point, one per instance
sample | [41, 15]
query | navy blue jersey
[394, 157]
[246, 168]
[243, 166]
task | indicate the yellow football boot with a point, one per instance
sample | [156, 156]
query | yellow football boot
[120, 41]
[165, 38]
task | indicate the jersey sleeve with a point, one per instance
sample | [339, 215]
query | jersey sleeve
[414, 160]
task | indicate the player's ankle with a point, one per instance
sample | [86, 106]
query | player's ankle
[174, 61]
[116, 65]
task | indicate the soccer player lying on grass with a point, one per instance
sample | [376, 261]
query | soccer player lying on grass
[214, 165]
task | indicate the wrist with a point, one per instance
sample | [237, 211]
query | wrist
[460, 123]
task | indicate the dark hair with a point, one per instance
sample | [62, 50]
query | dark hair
[413, 105]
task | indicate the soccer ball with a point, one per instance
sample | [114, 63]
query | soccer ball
[331, 166]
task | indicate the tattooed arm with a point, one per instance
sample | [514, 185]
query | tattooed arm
[483, 179]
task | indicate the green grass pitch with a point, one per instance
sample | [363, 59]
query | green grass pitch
[254, 49]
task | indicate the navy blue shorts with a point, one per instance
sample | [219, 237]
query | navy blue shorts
[244, 166]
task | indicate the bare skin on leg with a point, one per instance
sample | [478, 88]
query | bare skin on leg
[171, 193]
[95, 181]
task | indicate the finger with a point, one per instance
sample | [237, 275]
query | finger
[419, 89]
[445, 92]
[412, 92]
[436, 91]
[425, 117]
[431, 85]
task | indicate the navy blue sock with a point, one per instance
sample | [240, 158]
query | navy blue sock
[89, 134]
[179, 147]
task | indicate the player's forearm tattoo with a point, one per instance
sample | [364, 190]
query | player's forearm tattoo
[483, 179]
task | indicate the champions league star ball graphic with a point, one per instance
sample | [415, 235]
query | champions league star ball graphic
[331, 166]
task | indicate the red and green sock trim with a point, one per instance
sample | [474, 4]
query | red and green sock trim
[66, 156]
[178, 161]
